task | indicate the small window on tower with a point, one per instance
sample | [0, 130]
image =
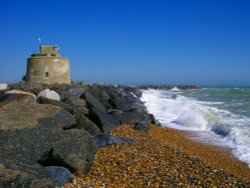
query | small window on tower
[46, 74]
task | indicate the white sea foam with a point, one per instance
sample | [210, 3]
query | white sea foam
[172, 109]
[209, 103]
[175, 89]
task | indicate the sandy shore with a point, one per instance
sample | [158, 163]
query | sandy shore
[163, 157]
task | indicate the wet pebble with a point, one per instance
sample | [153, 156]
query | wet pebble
[150, 162]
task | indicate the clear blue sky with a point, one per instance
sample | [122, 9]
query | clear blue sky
[206, 42]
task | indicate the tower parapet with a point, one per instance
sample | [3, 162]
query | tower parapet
[48, 67]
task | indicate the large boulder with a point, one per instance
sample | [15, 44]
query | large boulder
[77, 102]
[74, 93]
[68, 106]
[142, 126]
[100, 93]
[6, 99]
[154, 120]
[83, 122]
[33, 88]
[60, 175]
[19, 92]
[49, 94]
[125, 98]
[46, 140]
[131, 117]
[30, 150]
[61, 89]
[93, 102]
[104, 121]
[119, 101]
[22, 111]
[34, 136]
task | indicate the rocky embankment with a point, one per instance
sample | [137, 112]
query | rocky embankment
[50, 133]
[169, 87]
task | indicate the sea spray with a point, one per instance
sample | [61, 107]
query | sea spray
[218, 112]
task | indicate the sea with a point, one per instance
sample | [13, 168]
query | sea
[216, 115]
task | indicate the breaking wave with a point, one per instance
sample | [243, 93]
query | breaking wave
[175, 110]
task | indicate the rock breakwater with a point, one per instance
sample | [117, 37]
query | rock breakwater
[40, 136]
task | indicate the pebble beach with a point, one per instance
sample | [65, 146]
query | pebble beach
[163, 157]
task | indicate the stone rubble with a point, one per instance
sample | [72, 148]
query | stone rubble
[62, 127]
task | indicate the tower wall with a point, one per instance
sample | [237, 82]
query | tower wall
[48, 70]
[48, 67]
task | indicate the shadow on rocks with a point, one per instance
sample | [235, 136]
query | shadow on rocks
[102, 140]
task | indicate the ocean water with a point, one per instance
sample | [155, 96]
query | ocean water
[218, 115]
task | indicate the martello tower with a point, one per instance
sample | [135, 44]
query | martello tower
[48, 67]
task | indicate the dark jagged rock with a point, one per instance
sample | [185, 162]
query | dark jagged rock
[142, 126]
[101, 94]
[131, 117]
[168, 87]
[126, 99]
[22, 111]
[102, 140]
[8, 98]
[60, 175]
[34, 88]
[19, 178]
[154, 121]
[74, 93]
[32, 136]
[33, 148]
[118, 101]
[104, 121]
[84, 123]
[76, 102]
[73, 109]
[93, 102]
[38, 134]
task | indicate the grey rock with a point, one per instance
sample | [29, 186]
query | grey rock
[38, 134]
[22, 111]
[84, 123]
[74, 93]
[119, 102]
[19, 92]
[102, 140]
[131, 117]
[33, 88]
[33, 136]
[73, 109]
[49, 94]
[26, 151]
[93, 102]
[61, 89]
[100, 93]
[104, 121]
[124, 98]
[59, 175]
[77, 102]
[154, 121]
[142, 126]
[8, 98]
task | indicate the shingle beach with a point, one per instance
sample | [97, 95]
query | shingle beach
[163, 157]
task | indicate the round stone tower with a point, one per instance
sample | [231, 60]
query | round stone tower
[48, 67]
